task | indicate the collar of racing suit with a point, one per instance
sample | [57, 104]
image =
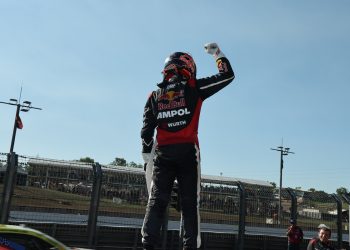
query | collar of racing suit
[165, 83]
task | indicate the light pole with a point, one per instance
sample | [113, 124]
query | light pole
[24, 107]
[12, 160]
[283, 151]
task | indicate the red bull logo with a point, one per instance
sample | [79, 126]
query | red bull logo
[172, 104]
[171, 95]
[222, 66]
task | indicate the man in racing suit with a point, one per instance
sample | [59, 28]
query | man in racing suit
[173, 111]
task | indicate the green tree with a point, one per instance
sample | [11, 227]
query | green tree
[342, 190]
[312, 190]
[134, 165]
[87, 160]
[119, 162]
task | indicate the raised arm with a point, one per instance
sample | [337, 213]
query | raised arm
[211, 85]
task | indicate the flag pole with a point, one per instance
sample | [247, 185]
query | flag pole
[16, 122]
[25, 107]
[15, 128]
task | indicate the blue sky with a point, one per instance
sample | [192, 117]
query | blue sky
[91, 65]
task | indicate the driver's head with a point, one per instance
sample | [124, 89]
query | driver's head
[179, 66]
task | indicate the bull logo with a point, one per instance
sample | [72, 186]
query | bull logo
[170, 95]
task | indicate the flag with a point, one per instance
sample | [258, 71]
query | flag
[19, 123]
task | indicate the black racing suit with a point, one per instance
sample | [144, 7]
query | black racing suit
[173, 110]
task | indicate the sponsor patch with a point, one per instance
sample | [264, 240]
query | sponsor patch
[173, 113]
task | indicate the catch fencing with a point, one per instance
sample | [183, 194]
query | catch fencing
[92, 201]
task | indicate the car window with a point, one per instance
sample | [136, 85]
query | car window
[24, 242]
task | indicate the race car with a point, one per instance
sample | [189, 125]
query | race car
[23, 238]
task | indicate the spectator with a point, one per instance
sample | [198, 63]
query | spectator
[295, 235]
[322, 241]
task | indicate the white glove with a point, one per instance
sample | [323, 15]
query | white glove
[213, 49]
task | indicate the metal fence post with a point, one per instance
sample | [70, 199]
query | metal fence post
[339, 220]
[242, 214]
[9, 184]
[94, 202]
[293, 208]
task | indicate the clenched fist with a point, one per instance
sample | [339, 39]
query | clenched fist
[213, 49]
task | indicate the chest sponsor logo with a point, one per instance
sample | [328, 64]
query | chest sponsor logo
[171, 95]
[173, 113]
[172, 104]
[171, 100]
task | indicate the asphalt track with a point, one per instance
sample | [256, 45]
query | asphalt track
[78, 219]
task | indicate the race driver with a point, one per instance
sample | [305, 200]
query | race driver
[173, 110]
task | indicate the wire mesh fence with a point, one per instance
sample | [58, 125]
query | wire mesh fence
[54, 191]
[316, 208]
[62, 192]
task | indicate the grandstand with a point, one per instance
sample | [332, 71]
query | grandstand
[128, 185]
[45, 171]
